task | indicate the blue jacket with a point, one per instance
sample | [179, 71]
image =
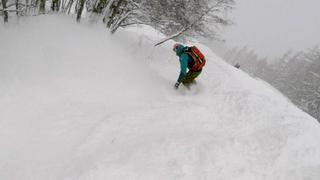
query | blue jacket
[186, 61]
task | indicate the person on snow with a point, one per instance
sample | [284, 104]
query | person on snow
[190, 58]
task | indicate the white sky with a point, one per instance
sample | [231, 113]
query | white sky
[271, 27]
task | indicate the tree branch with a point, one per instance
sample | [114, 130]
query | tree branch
[132, 23]
[189, 26]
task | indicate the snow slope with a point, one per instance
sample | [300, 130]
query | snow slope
[77, 103]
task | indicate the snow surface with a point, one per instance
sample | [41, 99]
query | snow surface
[77, 103]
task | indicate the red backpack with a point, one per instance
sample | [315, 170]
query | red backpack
[198, 57]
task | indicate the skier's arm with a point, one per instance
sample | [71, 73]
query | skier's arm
[183, 67]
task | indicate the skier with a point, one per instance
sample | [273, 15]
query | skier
[190, 58]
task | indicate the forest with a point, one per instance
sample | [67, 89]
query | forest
[296, 74]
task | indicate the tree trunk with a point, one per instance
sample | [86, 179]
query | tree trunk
[107, 11]
[63, 5]
[5, 12]
[100, 5]
[17, 7]
[79, 12]
[42, 7]
[117, 24]
[27, 6]
[55, 5]
[114, 13]
[68, 8]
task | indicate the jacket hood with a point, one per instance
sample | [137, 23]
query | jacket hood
[180, 50]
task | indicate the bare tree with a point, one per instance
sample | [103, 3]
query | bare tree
[80, 9]
[5, 11]
[179, 19]
[113, 13]
[17, 7]
[67, 9]
[42, 7]
[55, 6]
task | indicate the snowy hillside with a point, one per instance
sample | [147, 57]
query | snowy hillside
[79, 104]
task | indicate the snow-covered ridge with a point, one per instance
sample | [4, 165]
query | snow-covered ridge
[77, 103]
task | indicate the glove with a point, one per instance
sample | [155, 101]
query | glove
[176, 86]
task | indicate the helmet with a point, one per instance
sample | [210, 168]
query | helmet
[175, 46]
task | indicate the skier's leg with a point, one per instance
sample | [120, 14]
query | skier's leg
[191, 75]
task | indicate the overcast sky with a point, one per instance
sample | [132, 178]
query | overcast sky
[273, 26]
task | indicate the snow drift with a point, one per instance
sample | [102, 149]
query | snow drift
[77, 103]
